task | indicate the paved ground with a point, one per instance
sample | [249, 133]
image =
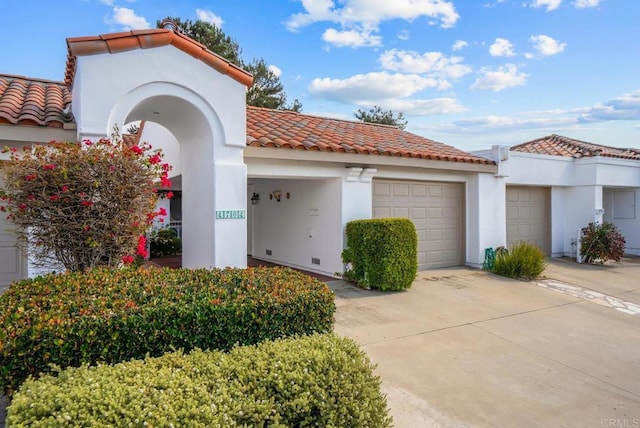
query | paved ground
[466, 348]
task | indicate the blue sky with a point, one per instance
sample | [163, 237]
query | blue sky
[470, 73]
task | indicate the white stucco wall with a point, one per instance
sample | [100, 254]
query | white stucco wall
[306, 226]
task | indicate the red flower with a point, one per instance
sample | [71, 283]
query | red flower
[65, 188]
[30, 177]
[86, 228]
[169, 194]
[127, 260]
[22, 206]
[48, 167]
[155, 159]
[165, 181]
[162, 211]
[2, 208]
[137, 150]
[31, 197]
[54, 197]
[86, 203]
[142, 246]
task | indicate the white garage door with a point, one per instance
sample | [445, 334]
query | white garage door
[12, 264]
[436, 209]
[528, 216]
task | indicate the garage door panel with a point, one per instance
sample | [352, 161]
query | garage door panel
[436, 211]
[528, 215]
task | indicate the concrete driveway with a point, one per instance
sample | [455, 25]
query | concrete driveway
[466, 348]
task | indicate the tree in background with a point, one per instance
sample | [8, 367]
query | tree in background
[82, 205]
[267, 90]
[377, 115]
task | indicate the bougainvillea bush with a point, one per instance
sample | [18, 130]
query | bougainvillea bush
[81, 205]
[113, 315]
[601, 242]
[319, 380]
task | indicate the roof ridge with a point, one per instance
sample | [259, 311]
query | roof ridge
[32, 79]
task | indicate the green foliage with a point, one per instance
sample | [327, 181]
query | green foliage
[82, 205]
[267, 90]
[319, 380]
[377, 115]
[381, 253]
[601, 242]
[164, 242]
[115, 315]
[522, 261]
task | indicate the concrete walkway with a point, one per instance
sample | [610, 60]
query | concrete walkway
[466, 348]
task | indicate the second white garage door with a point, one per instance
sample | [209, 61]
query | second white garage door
[436, 209]
[528, 216]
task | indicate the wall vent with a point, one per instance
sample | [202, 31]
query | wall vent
[315, 261]
[268, 252]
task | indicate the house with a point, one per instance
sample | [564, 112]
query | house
[313, 174]
[279, 185]
[557, 185]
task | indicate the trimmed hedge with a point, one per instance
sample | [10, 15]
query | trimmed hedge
[319, 380]
[114, 315]
[382, 253]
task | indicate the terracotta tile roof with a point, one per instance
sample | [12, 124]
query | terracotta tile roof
[557, 145]
[144, 39]
[287, 129]
[34, 102]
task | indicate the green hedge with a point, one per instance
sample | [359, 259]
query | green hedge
[381, 253]
[319, 380]
[115, 315]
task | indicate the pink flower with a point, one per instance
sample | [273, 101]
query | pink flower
[2, 208]
[22, 206]
[54, 197]
[65, 188]
[137, 150]
[31, 197]
[162, 211]
[127, 260]
[30, 177]
[165, 181]
[155, 159]
[86, 203]
[48, 167]
[169, 194]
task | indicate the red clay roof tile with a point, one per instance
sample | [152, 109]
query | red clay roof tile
[557, 145]
[269, 128]
[144, 39]
[34, 102]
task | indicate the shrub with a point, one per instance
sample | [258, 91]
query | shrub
[601, 242]
[115, 315]
[82, 205]
[319, 380]
[522, 261]
[164, 242]
[381, 253]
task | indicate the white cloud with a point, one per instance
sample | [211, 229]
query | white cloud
[501, 47]
[626, 107]
[128, 19]
[351, 38]
[275, 70]
[503, 77]
[364, 89]
[364, 16]
[549, 4]
[424, 107]
[403, 35]
[210, 17]
[546, 46]
[107, 2]
[580, 4]
[459, 45]
[433, 64]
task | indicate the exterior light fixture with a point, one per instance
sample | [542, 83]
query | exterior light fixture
[276, 194]
[255, 198]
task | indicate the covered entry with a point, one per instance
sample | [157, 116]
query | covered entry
[528, 216]
[437, 211]
[12, 262]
